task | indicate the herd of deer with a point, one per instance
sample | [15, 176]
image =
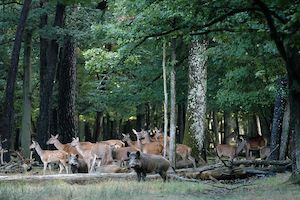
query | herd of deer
[92, 155]
[89, 155]
[258, 143]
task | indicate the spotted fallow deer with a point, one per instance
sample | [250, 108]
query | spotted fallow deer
[48, 156]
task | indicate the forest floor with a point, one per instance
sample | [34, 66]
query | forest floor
[23, 187]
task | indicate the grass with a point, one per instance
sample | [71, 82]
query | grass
[260, 189]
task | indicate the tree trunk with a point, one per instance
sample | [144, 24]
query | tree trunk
[67, 89]
[172, 143]
[87, 132]
[48, 60]
[215, 127]
[293, 68]
[285, 132]
[227, 127]
[277, 118]
[27, 90]
[180, 123]
[8, 115]
[252, 126]
[196, 108]
[165, 99]
[53, 125]
[98, 126]
[140, 117]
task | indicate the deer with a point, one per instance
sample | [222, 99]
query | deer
[126, 138]
[63, 147]
[255, 144]
[116, 143]
[120, 154]
[149, 148]
[230, 151]
[184, 151]
[68, 148]
[50, 156]
[92, 151]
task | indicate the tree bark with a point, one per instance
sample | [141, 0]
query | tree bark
[48, 61]
[8, 115]
[172, 143]
[215, 127]
[165, 99]
[180, 123]
[227, 127]
[293, 68]
[98, 126]
[67, 89]
[196, 108]
[285, 132]
[140, 117]
[27, 90]
[277, 118]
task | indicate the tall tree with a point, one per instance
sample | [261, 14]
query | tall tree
[48, 63]
[67, 91]
[278, 113]
[27, 95]
[173, 104]
[196, 107]
[8, 115]
[165, 98]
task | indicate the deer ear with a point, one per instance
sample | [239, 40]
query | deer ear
[56, 136]
[134, 131]
[138, 154]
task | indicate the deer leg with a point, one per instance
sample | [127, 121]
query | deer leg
[193, 160]
[60, 168]
[45, 167]
[49, 166]
[65, 166]
[247, 154]
[93, 163]
[2, 157]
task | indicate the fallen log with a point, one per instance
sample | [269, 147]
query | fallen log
[262, 162]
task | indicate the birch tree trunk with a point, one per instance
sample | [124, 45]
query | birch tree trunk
[196, 108]
[173, 105]
[165, 99]
[27, 90]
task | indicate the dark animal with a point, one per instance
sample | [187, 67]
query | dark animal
[77, 165]
[147, 163]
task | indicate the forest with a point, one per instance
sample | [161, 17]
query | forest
[202, 72]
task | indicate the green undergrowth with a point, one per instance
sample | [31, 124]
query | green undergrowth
[276, 187]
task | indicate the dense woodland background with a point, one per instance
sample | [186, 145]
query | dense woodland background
[94, 69]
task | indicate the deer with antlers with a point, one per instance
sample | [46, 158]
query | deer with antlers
[48, 156]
